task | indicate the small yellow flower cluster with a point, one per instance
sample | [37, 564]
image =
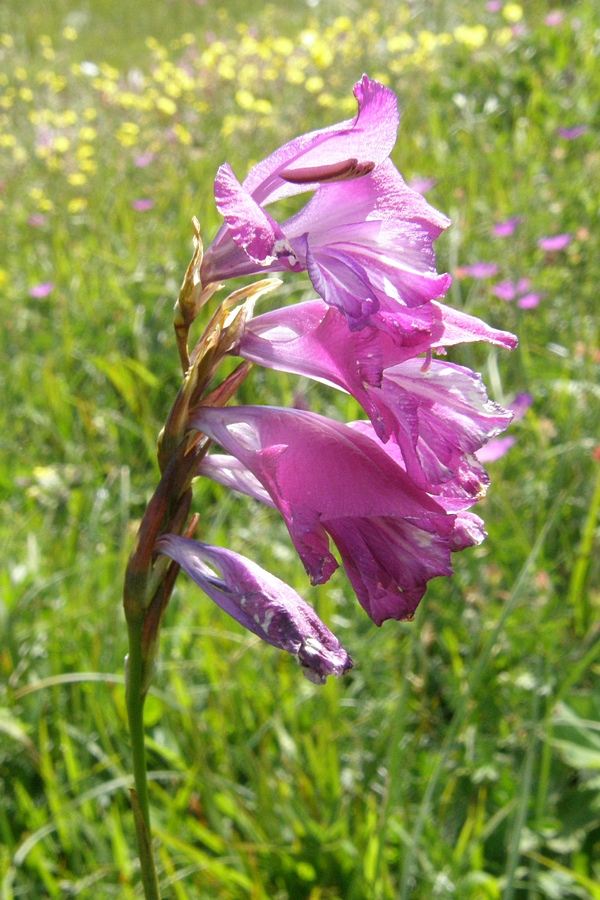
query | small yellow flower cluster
[72, 120]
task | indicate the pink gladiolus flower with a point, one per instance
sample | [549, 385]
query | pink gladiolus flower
[261, 603]
[555, 243]
[506, 228]
[328, 479]
[142, 205]
[365, 237]
[39, 291]
[438, 412]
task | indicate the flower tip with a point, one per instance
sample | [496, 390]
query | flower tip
[318, 661]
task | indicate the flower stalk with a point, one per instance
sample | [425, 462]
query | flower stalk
[393, 491]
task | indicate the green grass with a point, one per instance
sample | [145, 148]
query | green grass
[460, 757]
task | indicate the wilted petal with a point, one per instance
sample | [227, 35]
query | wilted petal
[324, 477]
[261, 603]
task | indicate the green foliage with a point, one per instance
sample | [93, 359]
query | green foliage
[460, 757]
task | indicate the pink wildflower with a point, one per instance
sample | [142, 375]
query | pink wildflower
[555, 243]
[142, 205]
[39, 291]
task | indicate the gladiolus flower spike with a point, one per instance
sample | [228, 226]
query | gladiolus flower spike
[393, 491]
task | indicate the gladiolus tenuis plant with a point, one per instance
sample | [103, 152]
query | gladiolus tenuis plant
[393, 491]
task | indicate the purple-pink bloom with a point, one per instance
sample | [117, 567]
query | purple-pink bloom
[571, 134]
[143, 160]
[554, 18]
[506, 228]
[510, 290]
[143, 204]
[529, 301]
[262, 603]
[555, 243]
[37, 220]
[505, 290]
[365, 238]
[480, 270]
[39, 291]
[438, 412]
[313, 340]
[520, 405]
[329, 479]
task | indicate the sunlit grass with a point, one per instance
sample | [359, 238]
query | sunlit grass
[457, 759]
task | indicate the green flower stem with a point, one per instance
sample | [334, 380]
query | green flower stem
[136, 696]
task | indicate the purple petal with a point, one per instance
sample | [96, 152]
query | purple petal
[325, 478]
[456, 327]
[368, 138]
[370, 245]
[313, 339]
[231, 473]
[367, 245]
[440, 415]
[555, 243]
[261, 603]
[251, 228]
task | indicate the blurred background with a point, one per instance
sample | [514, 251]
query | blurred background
[461, 757]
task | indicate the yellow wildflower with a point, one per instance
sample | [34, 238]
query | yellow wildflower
[512, 12]
[77, 205]
[472, 37]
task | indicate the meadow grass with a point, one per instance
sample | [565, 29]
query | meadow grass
[460, 757]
